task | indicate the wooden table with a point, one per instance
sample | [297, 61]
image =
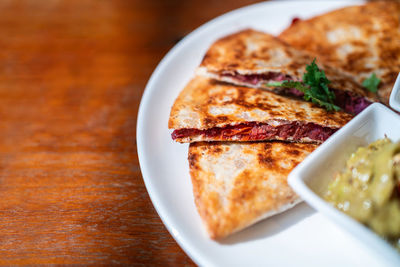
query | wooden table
[71, 77]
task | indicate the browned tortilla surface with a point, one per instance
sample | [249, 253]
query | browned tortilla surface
[254, 52]
[238, 184]
[359, 40]
[204, 104]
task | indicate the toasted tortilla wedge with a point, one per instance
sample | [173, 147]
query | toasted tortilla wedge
[252, 58]
[237, 184]
[360, 40]
[207, 110]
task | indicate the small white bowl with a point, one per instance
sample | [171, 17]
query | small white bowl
[311, 177]
[394, 100]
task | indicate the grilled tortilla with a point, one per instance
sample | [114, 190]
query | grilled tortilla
[237, 184]
[207, 110]
[360, 40]
[252, 58]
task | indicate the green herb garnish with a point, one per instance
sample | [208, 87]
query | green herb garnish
[314, 86]
[371, 83]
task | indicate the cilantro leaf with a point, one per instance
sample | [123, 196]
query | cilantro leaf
[371, 83]
[314, 87]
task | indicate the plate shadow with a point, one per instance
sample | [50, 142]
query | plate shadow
[270, 226]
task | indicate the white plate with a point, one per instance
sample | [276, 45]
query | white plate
[310, 178]
[298, 237]
[394, 100]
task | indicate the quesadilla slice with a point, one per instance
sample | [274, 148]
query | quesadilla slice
[207, 110]
[252, 58]
[238, 184]
[359, 40]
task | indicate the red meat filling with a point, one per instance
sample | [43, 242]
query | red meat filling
[254, 131]
[256, 78]
[345, 100]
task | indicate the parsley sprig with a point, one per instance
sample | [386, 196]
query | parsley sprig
[371, 83]
[314, 87]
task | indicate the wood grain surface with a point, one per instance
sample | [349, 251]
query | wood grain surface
[71, 77]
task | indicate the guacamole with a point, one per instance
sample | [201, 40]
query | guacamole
[368, 189]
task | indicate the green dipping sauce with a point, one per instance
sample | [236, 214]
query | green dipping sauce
[368, 189]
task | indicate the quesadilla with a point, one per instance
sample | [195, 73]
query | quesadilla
[359, 40]
[207, 110]
[237, 184]
[252, 58]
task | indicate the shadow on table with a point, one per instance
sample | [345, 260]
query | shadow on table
[272, 226]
